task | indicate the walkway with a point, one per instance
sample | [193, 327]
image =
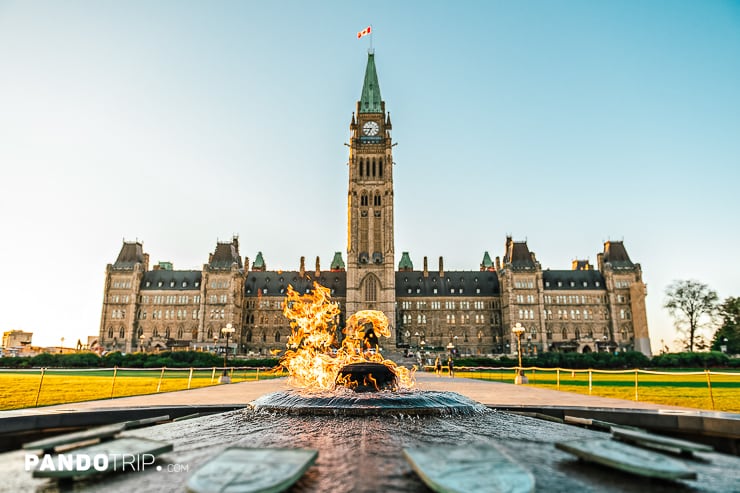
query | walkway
[490, 393]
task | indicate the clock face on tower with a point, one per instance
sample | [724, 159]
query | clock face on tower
[370, 128]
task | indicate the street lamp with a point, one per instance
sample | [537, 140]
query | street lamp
[228, 330]
[519, 330]
[723, 347]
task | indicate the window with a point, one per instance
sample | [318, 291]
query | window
[371, 289]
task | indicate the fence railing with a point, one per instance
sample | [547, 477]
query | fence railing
[569, 377]
[45, 386]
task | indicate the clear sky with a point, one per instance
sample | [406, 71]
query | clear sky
[181, 123]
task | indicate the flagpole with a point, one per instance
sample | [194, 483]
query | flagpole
[371, 39]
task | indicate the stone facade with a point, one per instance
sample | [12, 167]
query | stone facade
[469, 312]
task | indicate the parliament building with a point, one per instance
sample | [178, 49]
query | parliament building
[587, 308]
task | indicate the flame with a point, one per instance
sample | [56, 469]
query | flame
[313, 356]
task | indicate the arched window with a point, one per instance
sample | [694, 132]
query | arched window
[110, 332]
[565, 333]
[179, 333]
[362, 169]
[380, 167]
[376, 200]
[194, 334]
[210, 333]
[249, 336]
[277, 336]
[364, 201]
[367, 168]
[264, 337]
[374, 173]
[121, 333]
[167, 333]
[371, 288]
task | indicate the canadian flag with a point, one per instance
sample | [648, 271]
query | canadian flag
[364, 32]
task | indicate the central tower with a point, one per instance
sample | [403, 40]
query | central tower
[370, 243]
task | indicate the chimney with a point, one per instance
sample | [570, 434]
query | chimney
[246, 264]
[498, 263]
[303, 267]
[426, 268]
[318, 268]
[146, 262]
[441, 267]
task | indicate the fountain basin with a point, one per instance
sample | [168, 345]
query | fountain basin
[344, 402]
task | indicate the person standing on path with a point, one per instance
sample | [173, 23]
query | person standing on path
[451, 367]
[438, 367]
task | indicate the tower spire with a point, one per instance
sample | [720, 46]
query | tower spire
[370, 101]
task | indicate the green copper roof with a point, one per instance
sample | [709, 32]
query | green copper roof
[486, 261]
[405, 262]
[259, 262]
[370, 100]
[337, 262]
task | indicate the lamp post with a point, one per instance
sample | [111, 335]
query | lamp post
[723, 346]
[519, 330]
[228, 330]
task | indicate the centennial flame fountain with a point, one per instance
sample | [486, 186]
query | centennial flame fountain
[350, 376]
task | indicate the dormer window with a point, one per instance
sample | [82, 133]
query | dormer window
[197, 284]
[148, 283]
[172, 284]
[184, 284]
[572, 284]
[159, 284]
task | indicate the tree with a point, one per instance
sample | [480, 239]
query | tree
[729, 329]
[692, 305]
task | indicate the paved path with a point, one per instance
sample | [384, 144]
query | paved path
[490, 393]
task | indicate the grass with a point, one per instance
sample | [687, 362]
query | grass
[19, 389]
[672, 388]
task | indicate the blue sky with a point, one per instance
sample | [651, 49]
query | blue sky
[182, 123]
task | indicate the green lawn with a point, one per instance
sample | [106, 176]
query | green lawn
[672, 388]
[19, 389]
